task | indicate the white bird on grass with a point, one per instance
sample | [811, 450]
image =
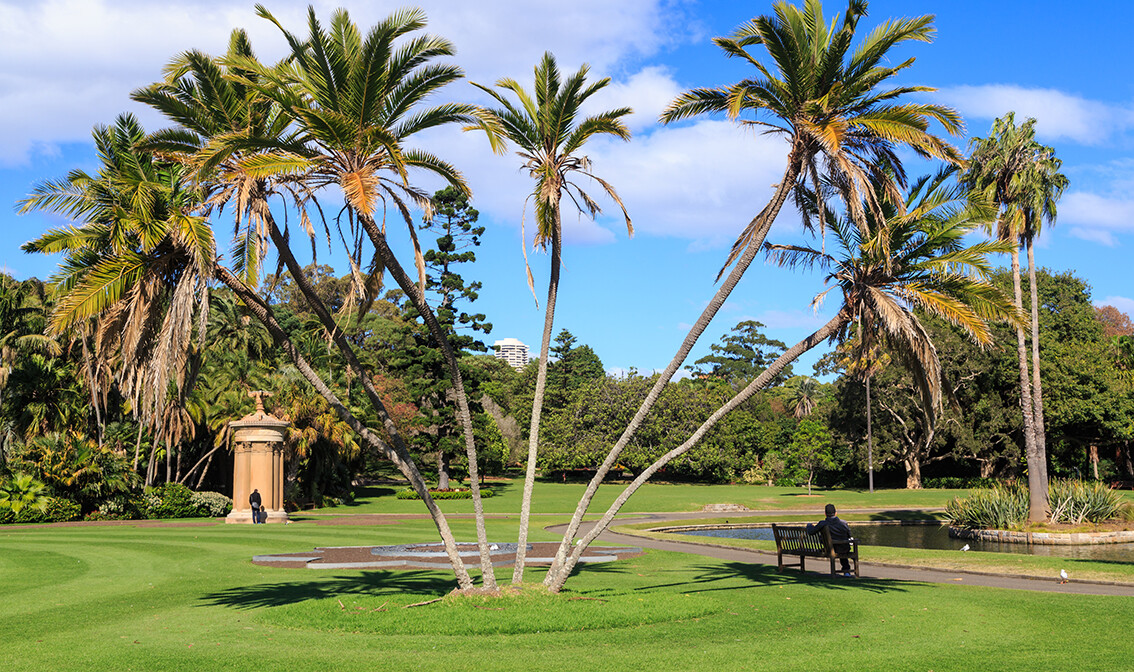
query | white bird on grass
[964, 548]
[1063, 575]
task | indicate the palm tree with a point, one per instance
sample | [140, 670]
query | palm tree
[826, 101]
[1043, 188]
[912, 258]
[546, 128]
[252, 131]
[139, 266]
[804, 398]
[1021, 177]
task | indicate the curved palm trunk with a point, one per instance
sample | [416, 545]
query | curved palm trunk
[537, 403]
[762, 381]
[488, 575]
[1037, 487]
[396, 454]
[763, 223]
[1037, 387]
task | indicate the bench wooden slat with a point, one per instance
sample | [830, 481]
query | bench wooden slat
[795, 540]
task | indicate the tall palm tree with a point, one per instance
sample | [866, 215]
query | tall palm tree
[1021, 177]
[883, 271]
[547, 129]
[139, 264]
[252, 131]
[1044, 185]
[828, 103]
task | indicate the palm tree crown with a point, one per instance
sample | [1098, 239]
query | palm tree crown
[825, 100]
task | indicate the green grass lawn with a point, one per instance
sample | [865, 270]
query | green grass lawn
[556, 498]
[188, 598]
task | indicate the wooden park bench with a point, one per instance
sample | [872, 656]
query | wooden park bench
[795, 540]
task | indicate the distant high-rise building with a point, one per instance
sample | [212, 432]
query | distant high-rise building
[512, 351]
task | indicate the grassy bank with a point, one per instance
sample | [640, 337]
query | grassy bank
[188, 598]
[972, 561]
[553, 498]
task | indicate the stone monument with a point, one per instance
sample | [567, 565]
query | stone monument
[258, 463]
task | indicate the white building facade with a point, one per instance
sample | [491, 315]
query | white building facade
[511, 350]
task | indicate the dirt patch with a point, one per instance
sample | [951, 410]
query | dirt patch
[429, 556]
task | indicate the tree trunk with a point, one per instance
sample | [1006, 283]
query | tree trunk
[1095, 461]
[138, 445]
[762, 223]
[442, 470]
[913, 471]
[416, 296]
[1037, 487]
[537, 401]
[1037, 387]
[869, 440]
[987, 468]
[92, 385]
[397, 454]
[557, 575]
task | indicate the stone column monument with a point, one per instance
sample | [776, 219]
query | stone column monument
[258, 463]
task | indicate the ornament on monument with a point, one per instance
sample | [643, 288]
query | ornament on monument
[258, 440]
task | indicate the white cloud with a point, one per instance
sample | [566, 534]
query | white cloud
[1097, 218]
[1122, 303]
[647, 93]
[1058, 114]
[66, 65]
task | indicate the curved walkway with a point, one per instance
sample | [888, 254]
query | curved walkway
[867, 569]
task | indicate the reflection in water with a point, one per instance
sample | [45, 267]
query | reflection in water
[937, 536]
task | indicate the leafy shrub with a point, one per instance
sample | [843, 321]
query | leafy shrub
[409, 493]
[212, 504]
[56, 510]
[121, 507]
[1077, 501]
[21, 492]
[1006, 506]
[1001, 507]
[959, 483]
[171, 500]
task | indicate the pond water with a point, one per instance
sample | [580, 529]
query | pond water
[937, 536]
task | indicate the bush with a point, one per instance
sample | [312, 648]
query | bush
[1001, 507]
[1006, 506]
[959, 483]
[1074, 502]
[171, 500]
[57, 511]
[121, 507]
[212, 504]
[409, 493]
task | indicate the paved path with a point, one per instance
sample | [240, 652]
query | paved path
[867, 570]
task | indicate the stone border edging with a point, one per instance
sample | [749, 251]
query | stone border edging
[1045, 538]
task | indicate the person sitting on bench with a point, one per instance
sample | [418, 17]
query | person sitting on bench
[840, 532]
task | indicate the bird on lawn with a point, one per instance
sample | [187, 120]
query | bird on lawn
[1063, 575]
[964, 548]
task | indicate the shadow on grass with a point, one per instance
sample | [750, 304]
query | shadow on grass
[726, 576]
[907, 514]
[425, 583]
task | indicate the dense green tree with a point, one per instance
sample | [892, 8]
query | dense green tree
[810, 449]
[741, 355]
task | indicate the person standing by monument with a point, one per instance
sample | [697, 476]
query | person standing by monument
[254, 500]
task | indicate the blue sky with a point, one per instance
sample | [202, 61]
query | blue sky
[66, 65]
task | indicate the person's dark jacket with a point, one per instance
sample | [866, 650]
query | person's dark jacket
[840, 531]
[254, 500]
